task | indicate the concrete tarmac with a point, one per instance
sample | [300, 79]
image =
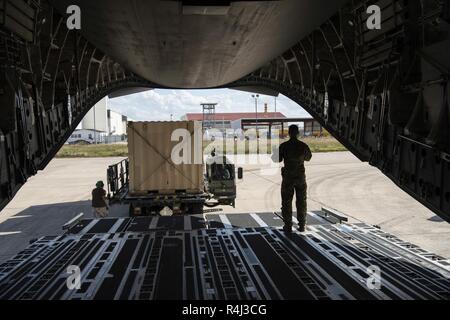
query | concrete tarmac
[337, 180]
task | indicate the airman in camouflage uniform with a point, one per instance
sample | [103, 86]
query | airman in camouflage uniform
[293, 152]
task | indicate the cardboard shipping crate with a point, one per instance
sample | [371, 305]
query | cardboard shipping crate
[155, 159]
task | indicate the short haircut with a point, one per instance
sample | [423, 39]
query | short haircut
[293, 130]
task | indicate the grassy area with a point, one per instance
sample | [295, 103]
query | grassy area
[93, 150]
[316, 144]
[322, 144]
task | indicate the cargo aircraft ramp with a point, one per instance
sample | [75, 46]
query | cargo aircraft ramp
[224, 256]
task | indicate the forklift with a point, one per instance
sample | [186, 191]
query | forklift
[219, 189]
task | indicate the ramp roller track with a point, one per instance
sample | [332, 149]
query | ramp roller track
[160, 258]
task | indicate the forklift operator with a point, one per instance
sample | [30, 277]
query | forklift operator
[221, 171]
[293, 152]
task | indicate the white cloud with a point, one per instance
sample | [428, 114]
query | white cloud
[159, 104]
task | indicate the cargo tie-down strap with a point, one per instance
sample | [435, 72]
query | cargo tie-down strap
[166, 160]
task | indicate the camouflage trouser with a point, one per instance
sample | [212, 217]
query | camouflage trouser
[100, 212]
[288, 186]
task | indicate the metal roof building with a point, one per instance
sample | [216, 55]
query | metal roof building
[232, 116]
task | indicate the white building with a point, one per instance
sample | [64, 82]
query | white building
[102, 124]
[117, 123]
[97, 117]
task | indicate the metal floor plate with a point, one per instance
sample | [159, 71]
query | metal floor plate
[223, 257]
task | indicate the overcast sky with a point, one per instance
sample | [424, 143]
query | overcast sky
[159, 104]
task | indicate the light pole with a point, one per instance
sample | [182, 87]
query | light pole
[256, 96]
[95, 129]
